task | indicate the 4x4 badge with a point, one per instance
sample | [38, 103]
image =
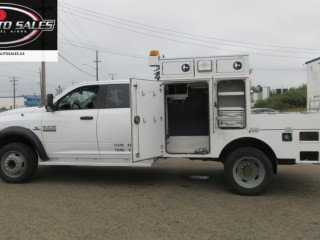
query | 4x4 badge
[49, 128]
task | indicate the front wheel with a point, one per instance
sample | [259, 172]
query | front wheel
[248, 171]
[18, 163]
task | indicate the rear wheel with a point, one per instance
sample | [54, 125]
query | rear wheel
[248, 171]
[18, 163]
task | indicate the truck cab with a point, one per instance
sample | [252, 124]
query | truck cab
[89, 121]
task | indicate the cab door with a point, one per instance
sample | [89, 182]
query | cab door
[113, 124]
[147, 119]
[71, 130]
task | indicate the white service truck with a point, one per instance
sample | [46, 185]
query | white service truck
[197, 108]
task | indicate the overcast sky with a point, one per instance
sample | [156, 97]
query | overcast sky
[279, 36]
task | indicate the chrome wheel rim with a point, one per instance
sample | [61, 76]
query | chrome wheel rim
[13, 164]
[248, 172]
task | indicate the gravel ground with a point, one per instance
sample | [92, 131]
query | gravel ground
[162, 202]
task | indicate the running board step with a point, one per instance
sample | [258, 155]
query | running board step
[95, 163]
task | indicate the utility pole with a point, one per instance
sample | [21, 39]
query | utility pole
[97, 65]
[14, 83]
[43, 83]
[112, 75]
[40, 83]
[41, 9]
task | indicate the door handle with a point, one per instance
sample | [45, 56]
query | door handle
[86, 118]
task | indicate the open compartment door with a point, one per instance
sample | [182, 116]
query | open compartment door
[147, 119]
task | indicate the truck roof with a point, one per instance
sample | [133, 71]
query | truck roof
[102, 82]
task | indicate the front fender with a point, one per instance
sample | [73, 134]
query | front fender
[11, 134]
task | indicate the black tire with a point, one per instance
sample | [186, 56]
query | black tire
[248, 171]
[18, 163]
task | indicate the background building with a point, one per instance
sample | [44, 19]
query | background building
[21, 101]
[32, 101]
[279, 90]
[263, 95]
[313, 84]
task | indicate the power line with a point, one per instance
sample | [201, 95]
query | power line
[72, 32]
[192, 38]
[189, 43]
[78, 26]
[103, 73]
[76, 59]
[75, 65]
[106, 51]
[104, 69]
[79, 10]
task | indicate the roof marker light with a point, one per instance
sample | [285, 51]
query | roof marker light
[204, 65]
[154, 53]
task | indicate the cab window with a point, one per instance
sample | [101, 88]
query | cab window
[117, 96]
[80, 98]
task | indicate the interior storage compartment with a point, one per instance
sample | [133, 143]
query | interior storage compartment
[231, 104]
[187, 123]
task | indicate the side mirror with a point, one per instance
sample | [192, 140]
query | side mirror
[49, 105]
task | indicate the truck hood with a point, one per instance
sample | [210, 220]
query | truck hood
[28, 110]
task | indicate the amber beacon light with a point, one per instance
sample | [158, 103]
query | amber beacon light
[154, 53]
